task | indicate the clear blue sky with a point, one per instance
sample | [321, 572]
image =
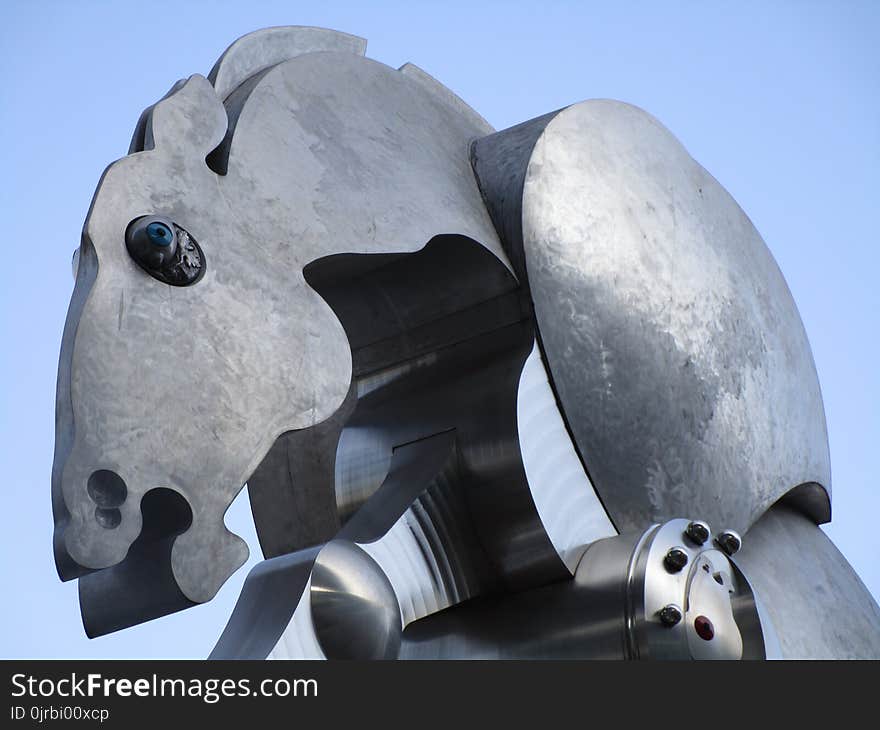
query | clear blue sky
[779, 101]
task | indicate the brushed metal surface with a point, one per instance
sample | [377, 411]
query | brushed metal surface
[354, 609]
[570, 511]
[298, 641]
[673, 343]
[441, 551]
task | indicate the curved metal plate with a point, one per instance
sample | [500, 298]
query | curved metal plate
[570, 511]
[817, 604]
[673, 342]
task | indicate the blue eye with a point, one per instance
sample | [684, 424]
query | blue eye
[160, 234]
[164, 250]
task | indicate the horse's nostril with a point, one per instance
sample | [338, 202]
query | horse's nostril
[107, 490]
[108, 517]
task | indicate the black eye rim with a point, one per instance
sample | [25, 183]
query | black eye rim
[180, 262]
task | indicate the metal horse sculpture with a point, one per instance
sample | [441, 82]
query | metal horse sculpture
[481, 384]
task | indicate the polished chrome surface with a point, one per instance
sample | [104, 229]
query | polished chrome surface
[570, 511]
[673, 343]
[820, 608]
[298, 640]
[426, 570]
[353, 606]
[439, 339]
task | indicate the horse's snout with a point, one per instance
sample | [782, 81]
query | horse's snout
[140, 551]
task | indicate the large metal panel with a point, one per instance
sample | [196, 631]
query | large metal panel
[673, 343]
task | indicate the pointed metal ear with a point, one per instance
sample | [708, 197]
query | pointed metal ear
[192, 117]
[252, 56]
[261, 49]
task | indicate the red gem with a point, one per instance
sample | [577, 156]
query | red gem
[704, 628]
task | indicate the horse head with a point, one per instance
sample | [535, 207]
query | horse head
[193, 340]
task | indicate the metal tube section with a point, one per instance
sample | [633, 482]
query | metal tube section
[818, 605]
[625, 602]
[628, 599]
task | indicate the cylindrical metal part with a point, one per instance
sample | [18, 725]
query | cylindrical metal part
[623, 603]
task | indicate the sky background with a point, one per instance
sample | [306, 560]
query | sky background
[779, 101]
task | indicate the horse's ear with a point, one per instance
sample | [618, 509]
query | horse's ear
[191, 117]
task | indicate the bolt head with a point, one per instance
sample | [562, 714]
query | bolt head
[729, 541]
[675, 559]
[698, 531]
[669, 615]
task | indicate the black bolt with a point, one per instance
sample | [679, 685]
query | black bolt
[669, 615]
[729, 541]
[698, 531]
[675, 559]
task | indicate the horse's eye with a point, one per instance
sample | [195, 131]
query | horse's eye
[165, 250]
[160, 234]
